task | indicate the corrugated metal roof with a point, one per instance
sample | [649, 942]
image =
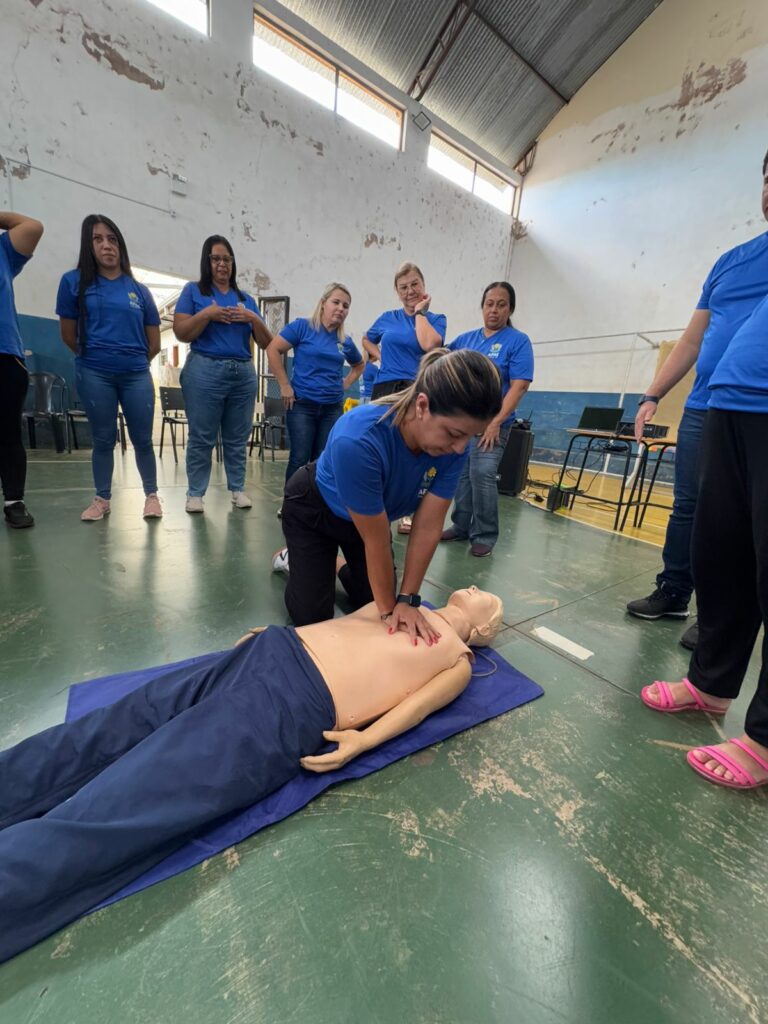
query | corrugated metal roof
[482, 88]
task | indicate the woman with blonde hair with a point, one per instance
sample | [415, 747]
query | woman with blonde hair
[402, 455]
[314, 395]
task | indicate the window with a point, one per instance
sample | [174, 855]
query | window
[294, 64]
[192, 12]
[456, 165]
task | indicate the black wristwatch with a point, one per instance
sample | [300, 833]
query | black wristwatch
[420, 312]
[649, 398]
[412, 600]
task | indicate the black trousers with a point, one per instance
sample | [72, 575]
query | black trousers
[730, 559]
[13, 458]
[314, 535]
[389, 387]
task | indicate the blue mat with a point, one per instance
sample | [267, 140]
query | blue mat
[485, 697]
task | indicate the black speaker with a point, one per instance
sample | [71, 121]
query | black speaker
[513, 468]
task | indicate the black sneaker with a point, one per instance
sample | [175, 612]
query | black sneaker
[17, 516]
[657, 605]
[690, 637]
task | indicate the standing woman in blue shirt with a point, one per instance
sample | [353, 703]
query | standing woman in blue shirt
[402, 455]
[111, 323]
[218, 320]
[17, 243]
[476, 510]
[400, 337]
[313, 398]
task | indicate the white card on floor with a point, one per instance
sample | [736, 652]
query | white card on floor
[549, 636]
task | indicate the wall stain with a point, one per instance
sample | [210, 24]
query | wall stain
[2, 165]
[248, 232]
[261, 280]
[100, 48]
[156, 170]
[705, 84]
[21, 171]
[380, 241]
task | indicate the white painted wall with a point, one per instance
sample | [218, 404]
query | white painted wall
[118, 96]
[651, 172]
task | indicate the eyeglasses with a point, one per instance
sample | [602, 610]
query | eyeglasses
[221, 259]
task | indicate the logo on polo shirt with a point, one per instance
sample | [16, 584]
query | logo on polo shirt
[133, 300]
[426, 482]
[494, 351]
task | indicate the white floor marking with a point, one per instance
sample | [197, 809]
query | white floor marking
[549, 636]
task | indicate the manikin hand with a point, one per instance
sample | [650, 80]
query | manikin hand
[645, 414]
[350, 744]
[411, 621]
[423, 303]
[489, 437]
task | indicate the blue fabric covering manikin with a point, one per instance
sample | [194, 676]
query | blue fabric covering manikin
[509, 350]
[486, 696]
[218, 340]
[735, 285]
[318, 361]
[740, 381]
[11, 264]
[367, 467]
[401, 353]
[117, 311]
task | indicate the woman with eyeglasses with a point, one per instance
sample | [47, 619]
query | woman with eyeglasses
[218, 320]
[111, 323]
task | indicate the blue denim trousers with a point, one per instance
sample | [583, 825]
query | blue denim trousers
[676, 577]
[309, 424]
[476, 509]
[100, 392]
[219, 395]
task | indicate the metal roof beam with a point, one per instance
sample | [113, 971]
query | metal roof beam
[442, 46]
[502, 39]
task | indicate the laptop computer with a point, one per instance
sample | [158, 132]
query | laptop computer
[599, 418]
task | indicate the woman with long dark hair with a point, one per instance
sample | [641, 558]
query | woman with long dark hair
[218, 320]
[476, 510]
[401, 455]
[111, 323]
[313, 397]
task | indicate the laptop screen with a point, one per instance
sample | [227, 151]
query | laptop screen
[599, 418]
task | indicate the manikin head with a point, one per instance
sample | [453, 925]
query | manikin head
[483, 611]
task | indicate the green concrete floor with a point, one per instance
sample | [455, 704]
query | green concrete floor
[558, 864]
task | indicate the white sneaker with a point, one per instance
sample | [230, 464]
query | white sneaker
[194, 503]
[280, 561]
[241, 500]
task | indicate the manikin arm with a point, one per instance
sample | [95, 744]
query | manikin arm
[439, 691]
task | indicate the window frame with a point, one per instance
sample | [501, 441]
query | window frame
[447, 141]
[338, 70]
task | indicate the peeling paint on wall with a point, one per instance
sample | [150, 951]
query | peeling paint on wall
[705, 84]
[21, 171]
[380, 241]
[100, 48]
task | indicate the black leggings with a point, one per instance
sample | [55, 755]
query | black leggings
[730, 559]
[13, 459]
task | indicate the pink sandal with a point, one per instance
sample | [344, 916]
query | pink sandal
[743, 779]
[667, 704]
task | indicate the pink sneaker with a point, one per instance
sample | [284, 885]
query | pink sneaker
[152, 507]
[96, 510]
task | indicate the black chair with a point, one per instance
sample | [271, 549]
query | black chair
[266, 426]
[48, 400]
[173, 410]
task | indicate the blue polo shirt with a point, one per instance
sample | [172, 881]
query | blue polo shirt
[736, 284]
[367, 468]
[740, 380]
[368, 379]
[318, 361]
[401, 352]
[218, 340]
[11, 264]
[509, 350]
[116, 314]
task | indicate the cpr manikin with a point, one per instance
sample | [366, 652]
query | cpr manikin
[90, 805]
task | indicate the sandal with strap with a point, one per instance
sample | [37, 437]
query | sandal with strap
[742, 780]
[666, 701]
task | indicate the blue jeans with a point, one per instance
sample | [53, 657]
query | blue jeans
[100, 392]
[676, 578]
[476, 510]
[309, 424]
[219, 395]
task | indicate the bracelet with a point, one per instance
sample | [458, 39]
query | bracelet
[649, 398]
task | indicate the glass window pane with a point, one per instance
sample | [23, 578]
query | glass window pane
[368, 111]
[451, 162]
[494, 189]
[292, 64]
[192, 12]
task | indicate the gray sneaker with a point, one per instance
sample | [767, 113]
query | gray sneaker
[194, 503]
[658, 605]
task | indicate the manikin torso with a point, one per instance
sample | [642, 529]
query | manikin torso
[368, 671]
